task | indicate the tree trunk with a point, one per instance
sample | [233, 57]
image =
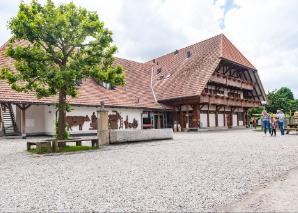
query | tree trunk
[61, 115]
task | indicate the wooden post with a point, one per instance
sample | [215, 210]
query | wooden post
[23, 109]
[23, 123]
[195, 118]
[181, 119]
[208, 119]
[216, 118]
[237, 118]
[224, 116]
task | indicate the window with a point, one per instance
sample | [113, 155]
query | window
[188, 54]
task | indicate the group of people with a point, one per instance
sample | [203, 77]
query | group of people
[270, 123]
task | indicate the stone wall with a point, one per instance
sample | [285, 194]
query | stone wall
[121, 136]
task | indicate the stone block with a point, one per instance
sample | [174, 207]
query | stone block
[121, 136]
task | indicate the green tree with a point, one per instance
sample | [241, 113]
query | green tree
[286, 93]
[280, 99]
[67, 44]
[255, 111]
[294, 105]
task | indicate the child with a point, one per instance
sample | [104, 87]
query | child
[273, 125]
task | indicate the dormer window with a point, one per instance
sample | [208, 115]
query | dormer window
[107, 85]
[158, 71]
[188, 54]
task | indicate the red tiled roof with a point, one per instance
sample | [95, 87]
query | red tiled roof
[187, 77]
[136, 93]
[182, 77]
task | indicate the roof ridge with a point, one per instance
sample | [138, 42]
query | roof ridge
[191, 45]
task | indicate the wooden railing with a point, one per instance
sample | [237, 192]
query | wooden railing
[228, 101]
[230, 81]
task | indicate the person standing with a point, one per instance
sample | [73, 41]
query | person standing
[266, 122]
[281, 117]
[273, 125]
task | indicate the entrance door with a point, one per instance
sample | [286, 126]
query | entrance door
[158, 120]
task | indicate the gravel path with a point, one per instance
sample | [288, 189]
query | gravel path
[193, 172]
[280, 196]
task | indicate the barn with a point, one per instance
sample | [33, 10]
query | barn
[209, 84]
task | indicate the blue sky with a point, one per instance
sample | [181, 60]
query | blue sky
[264, 31]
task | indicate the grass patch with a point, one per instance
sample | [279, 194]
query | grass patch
[63, 149]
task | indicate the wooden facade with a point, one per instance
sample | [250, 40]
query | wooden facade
[231, 90]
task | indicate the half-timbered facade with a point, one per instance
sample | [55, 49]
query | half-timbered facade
[209, 84]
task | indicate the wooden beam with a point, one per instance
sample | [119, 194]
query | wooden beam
[208, 119]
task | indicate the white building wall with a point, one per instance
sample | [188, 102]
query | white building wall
[212, 120]
[235, 119]
[40, 119]
[220, 119]
[203, 118]
[35, 120]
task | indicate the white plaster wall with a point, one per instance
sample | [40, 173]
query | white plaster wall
[212, 120]
[205, 107]
[220, 120]
[41, 119]
[234, 120]
[83, 111]
[186, 108]
[35, 120]
[203, 120]
[50, 116]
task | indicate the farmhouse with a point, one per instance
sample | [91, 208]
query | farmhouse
[209, 84]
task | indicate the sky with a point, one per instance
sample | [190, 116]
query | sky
[264, 31]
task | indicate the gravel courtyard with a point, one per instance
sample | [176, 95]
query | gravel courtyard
[194, 172]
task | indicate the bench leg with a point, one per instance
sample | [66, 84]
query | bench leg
[28, 146]
[78, 143]
[38, 148]
[49, 147]
[54, 146]
[95, 143]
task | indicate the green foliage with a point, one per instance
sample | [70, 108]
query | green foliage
[66, 45]
[65, 133]
[281, 99]
[285, 93]
[64, 149]
[254, 111]
[294, 105]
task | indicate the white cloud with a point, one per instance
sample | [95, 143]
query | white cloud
[264, 31]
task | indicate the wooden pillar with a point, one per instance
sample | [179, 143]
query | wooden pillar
[208, 119]
[23, 123]
[244, 117]
[237, 118]
[181, 118]
[216, 116]
[195, 118]
[224, 115]
[23, 108]
[187, 124]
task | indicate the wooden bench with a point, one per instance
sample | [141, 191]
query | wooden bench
[78, 141]
[288, 130]
[39, 145]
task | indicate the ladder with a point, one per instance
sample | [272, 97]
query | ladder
[7, 120]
